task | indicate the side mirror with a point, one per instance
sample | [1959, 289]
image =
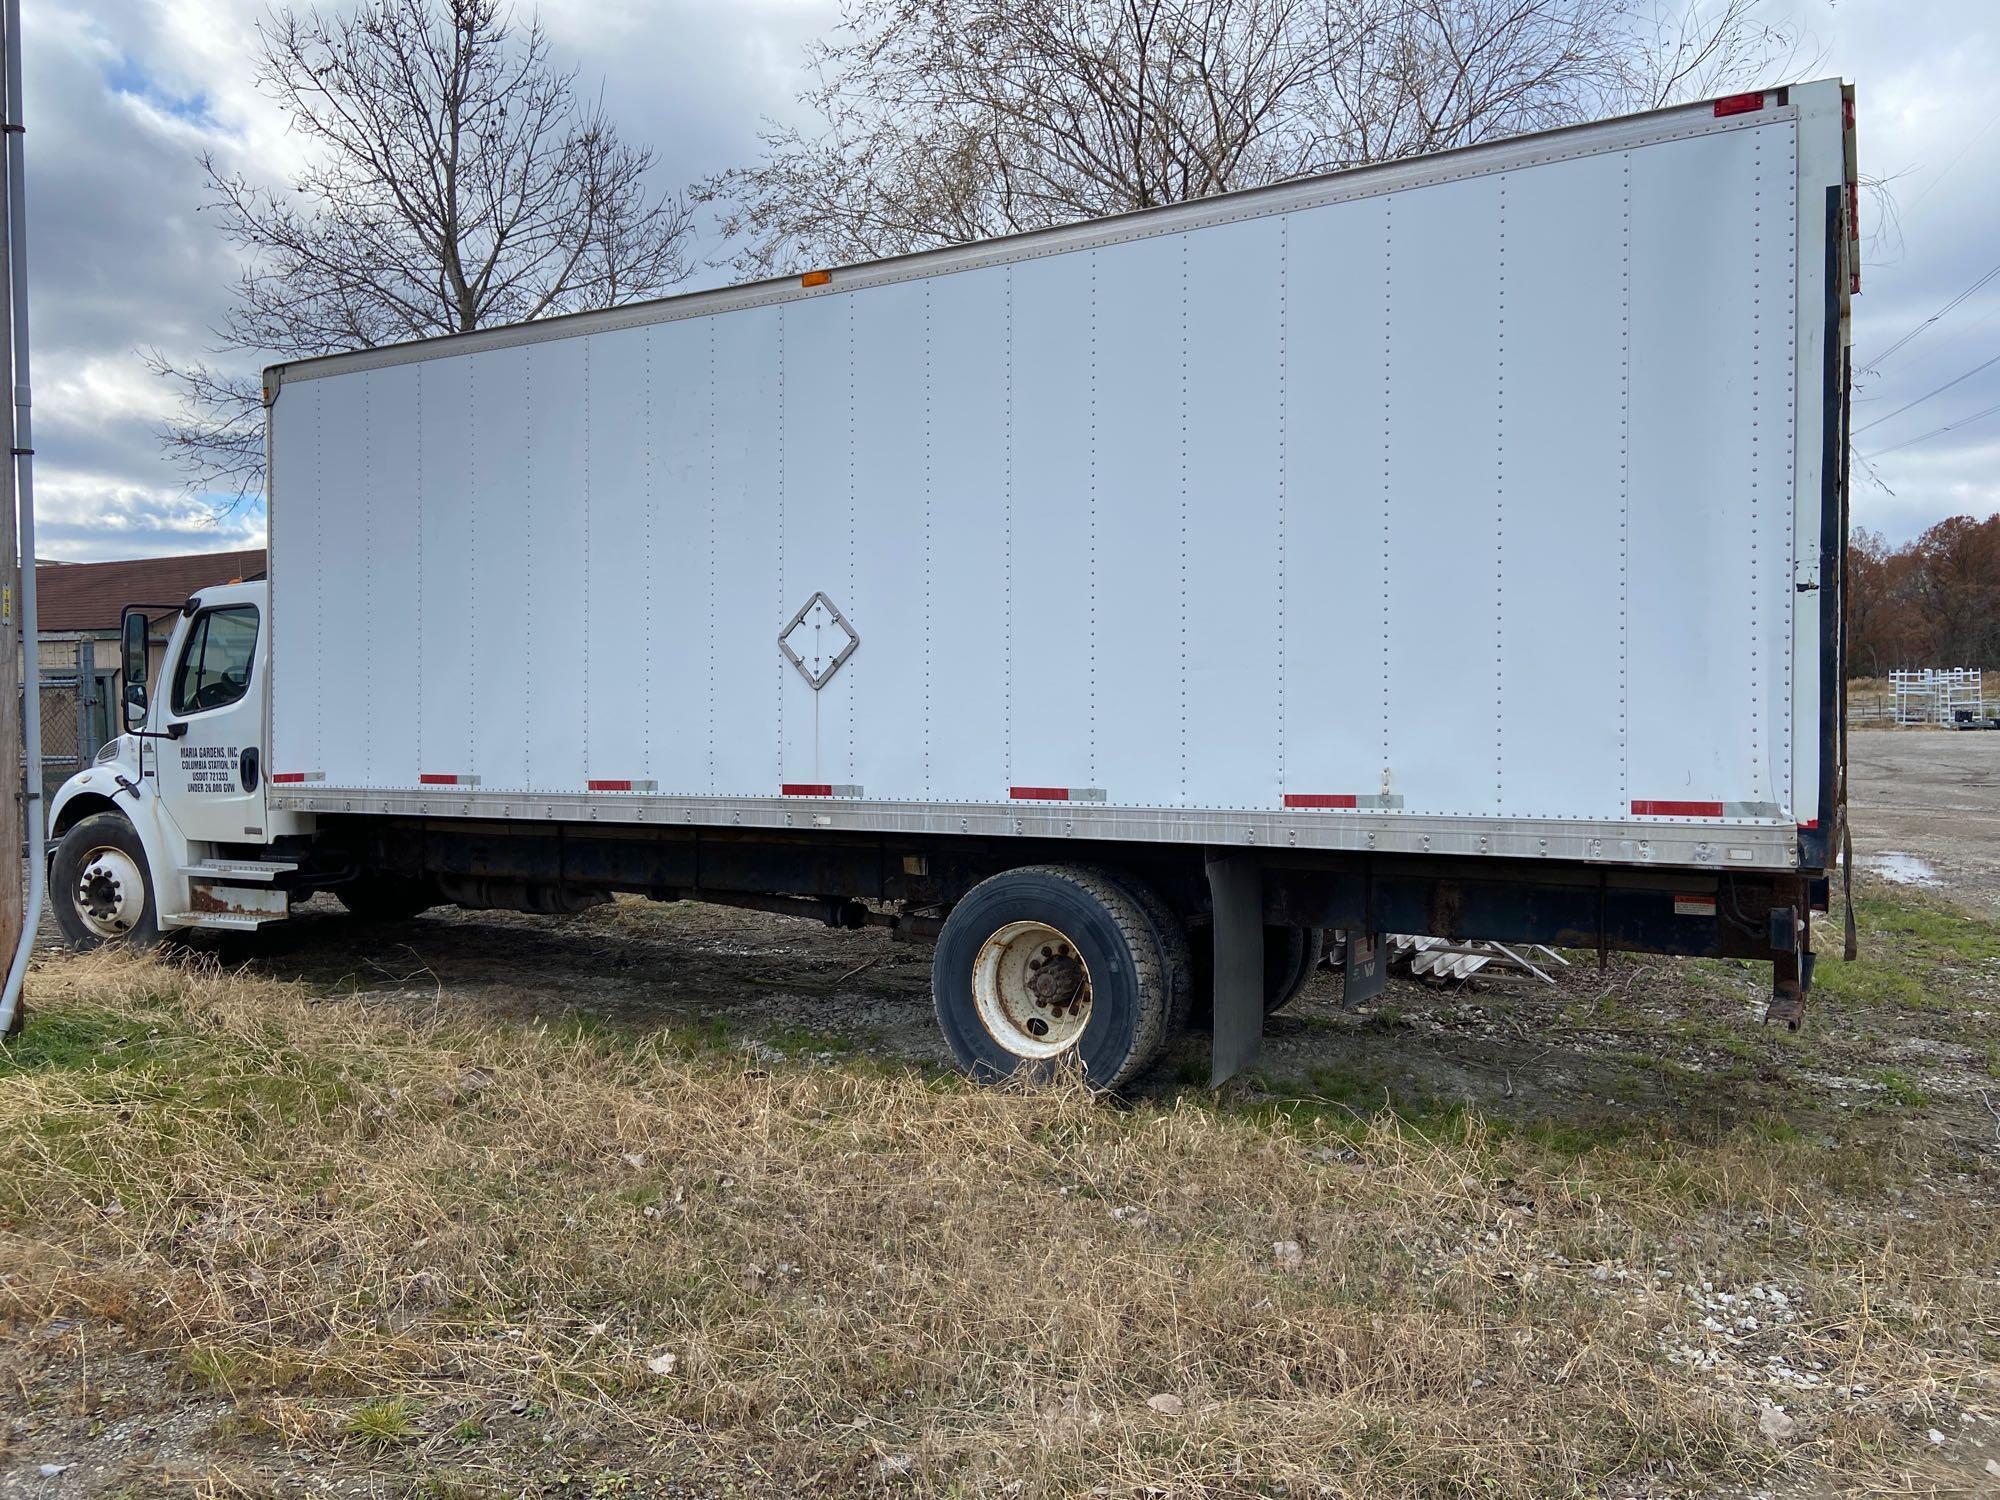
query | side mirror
[133, 632]
[135, 707]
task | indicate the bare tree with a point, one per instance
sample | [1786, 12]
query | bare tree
[949, 120]
[456, 180]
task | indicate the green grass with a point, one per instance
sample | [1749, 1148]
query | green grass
[77, 1041]
[1917, 953]
[1900, 1089]
[385, 1420]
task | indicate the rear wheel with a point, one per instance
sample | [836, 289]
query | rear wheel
[1300, 953]
[1290, 956]
[100, 886]
[1052, 962]
[388, 898]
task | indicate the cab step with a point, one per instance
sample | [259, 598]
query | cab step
[228, 921]
[239, 869]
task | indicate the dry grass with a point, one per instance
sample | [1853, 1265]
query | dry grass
[455, 1259]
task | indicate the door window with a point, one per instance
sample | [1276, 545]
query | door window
[215, 664]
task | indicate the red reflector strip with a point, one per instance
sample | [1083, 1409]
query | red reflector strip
[1810, 827]
[1039, 793]
[807, 789]
[295, 776]
[434, 778]
[621, 785]
[1738, 104]
[1694, 906]
[1321, 799]
[1677, 809]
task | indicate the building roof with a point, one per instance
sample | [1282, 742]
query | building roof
[91, 596]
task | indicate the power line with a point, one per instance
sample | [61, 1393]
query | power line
[1995, 360]
[1941, 312]
[1977, 137]
[1978, 416]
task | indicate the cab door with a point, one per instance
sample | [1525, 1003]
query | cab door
[212, 702]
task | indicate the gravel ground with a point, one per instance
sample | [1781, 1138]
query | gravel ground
[1926, 810]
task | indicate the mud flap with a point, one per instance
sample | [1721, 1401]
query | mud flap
[1236, 894]
[1366, 973]
[1791, 967]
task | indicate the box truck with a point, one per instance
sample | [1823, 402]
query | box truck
[1448, 546]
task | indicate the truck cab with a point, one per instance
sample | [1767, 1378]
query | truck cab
[169, 827]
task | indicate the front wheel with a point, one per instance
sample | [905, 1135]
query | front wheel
[100, 886]
[1052, 962]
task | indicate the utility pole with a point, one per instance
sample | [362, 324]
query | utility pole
[27, 898]
[13, 829]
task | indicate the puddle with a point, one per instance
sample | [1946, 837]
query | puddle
[1901, 869]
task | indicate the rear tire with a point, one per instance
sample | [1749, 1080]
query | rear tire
[1302, 949]
[102, 887]
[1050, 962]
[1290, 956]
[1171, 938]
[388, 898]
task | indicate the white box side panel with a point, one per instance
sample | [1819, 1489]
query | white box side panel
[503, 443]
[1336, 636]
[1698, 732]
[1473, 501]
[819, 528]
[297, 513]
[345, 561]
[390, 527]
[623, 646]
[1050, 618]
[1241, 409]
[1135, 356]
[969, 568]
[747, 675]
[456, 685]
[679, 687]
[556, 581]
[891, 607]
[1443, 532]
[1774, 414]
[1562, 493]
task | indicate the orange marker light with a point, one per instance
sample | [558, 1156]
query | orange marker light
[816, 278]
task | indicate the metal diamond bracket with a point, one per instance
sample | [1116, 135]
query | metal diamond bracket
[818, 640]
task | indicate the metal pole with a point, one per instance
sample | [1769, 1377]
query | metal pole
[24, 478]
[12, 839]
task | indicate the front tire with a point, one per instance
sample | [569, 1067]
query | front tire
[1051, 962]
[101, 886]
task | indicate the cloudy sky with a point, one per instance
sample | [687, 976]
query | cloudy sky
[122, 96]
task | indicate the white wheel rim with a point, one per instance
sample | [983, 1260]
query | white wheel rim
[110, 894]
[1032, 990]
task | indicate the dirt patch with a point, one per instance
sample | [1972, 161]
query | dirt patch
[1932, 797]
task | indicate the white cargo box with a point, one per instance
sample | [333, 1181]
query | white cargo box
[1467, 505]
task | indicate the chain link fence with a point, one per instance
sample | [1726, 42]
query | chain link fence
[76, 700]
